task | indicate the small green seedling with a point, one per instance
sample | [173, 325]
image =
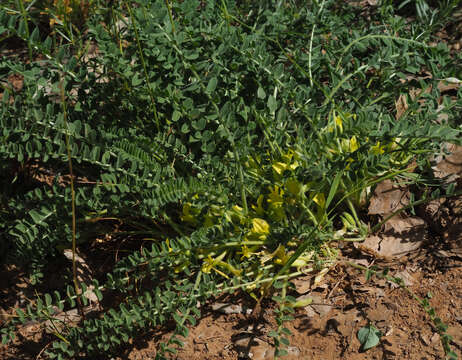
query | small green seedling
[369, 336]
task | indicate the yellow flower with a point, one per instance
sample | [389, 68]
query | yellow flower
[275, 195]
[275, 201]
[259, 208]
[320, 200]
[353, 144]
[279, 255]
[260, 228]
[378, 149]
[189, 213]
[286, 164]
[279, 167]
[211, 264]
[349, 161]
[235, 215]
[293, 186]
[168, 245]
[246, 253]
[338, 123]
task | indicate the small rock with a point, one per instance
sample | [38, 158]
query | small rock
[293, 350]
[425, 339]
[389, 330]
[227, 309]
[255, 348]
[243, 342]
[262, 351]
[435, 338]
[319, 305]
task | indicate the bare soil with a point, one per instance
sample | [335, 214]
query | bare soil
[344, 304]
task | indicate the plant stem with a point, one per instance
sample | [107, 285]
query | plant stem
[143, 63]
[169, 9]
[74, 225]
[26, 26]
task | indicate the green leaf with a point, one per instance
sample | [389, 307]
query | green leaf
[333, 188]
[272, 104]
[72, 63]
[211, 86]
[199, 124]
[35, 36]
[184, 128]
[368, 274]
[136, 80]
[176, 115]
[48, 300]
[21, 315]
[369, 336]
[261, 93]
[281, 352]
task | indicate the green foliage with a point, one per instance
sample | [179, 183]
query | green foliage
[369, 337]
[240, 138]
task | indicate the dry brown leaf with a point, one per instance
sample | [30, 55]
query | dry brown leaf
[404, 275]
[302, 284]
[401, 106]
[443, 86]
[449, 84]
[319, 305]
[402, 237]
[387, 198]
[400, 225]
[450, 166]
[388, 247]
[362, 262]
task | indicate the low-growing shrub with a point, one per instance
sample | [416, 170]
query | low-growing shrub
[239, 139]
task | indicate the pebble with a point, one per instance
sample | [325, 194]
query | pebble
[227, 309]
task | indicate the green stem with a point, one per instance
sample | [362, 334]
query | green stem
[26, 25]
[172, 224]
[71, 173]
[169, 9]
[282, 308]
[372, 36]
[143, 63]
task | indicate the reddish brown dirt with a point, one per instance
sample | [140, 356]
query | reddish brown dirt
[408, 331]
[328, 332]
